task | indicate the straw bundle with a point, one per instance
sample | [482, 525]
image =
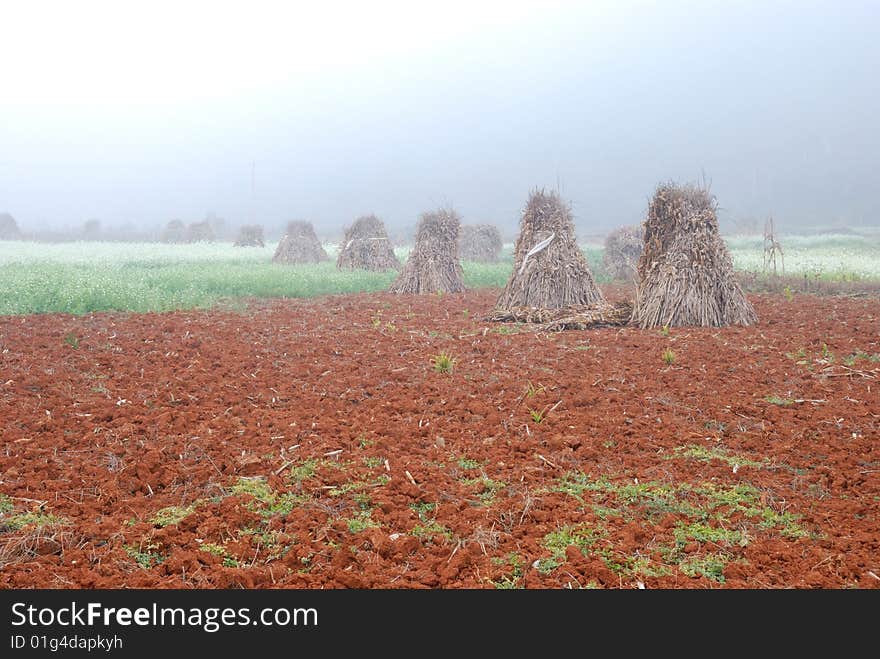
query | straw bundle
[481, 243]
[433, 264]
[623, 247]
[685, 272]
[366, 247]
[250, 235]
[300, 245]
[9, 227]
[550, 271]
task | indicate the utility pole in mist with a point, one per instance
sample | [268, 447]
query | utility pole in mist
[253, 190]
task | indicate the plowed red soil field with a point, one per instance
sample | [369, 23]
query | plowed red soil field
[313, 443]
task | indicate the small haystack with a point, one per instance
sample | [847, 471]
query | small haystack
[300, 245]
[200, 232]
[433, 264]
[91, 229]
[174, 232]
[549, 269]
[686, 274]
[623, 247]
[250, 235]
[219, 228]
[481, 243]
[366, 247]
[9, 227]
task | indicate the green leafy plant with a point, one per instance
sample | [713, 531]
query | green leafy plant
[172, 515]
[556, 542]
[145, 557]
[710, 566]
[858, 355]
[373, 462]
[797, 355]
[776, 400]
[429, 529]
[509, 581]
[443, 362]
[668, 357]
[705, 454]
[538, 416]
[505, 330]
[469, 463]
[213, 548]
[303, 470]
[488, 488]
[532, 390]
[361, 521]
[72, 340]
[422, 509]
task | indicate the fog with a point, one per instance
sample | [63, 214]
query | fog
[264, 112]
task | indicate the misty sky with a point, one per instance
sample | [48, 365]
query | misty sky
[141, 112]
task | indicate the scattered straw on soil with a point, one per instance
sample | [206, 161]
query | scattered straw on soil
[568, 318]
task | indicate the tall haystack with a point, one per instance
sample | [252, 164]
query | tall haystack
[250, 235]
[200, 232]
[366, 247]
[623, 247]
[685, 272]
[9, 227]
[433, 264]
[300, 245]
[481, 242]
[174, 232]
[549, 269]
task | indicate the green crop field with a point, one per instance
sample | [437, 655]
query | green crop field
[110, 276]
[830, 257]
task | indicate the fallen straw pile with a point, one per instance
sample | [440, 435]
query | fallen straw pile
[568, 318]
[686, 274]
[366, 247]
[549, 269]
[433, 264]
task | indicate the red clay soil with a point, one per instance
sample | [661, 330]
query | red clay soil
[312, 443]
